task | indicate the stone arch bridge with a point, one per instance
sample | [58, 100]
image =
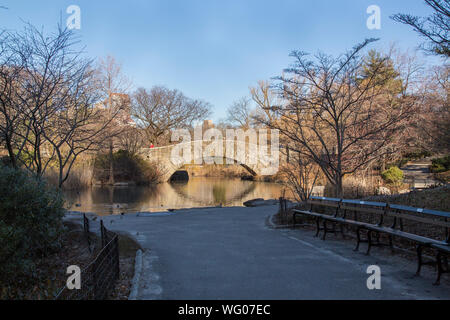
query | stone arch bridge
[256, 160]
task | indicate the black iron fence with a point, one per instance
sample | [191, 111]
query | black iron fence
[99, 277]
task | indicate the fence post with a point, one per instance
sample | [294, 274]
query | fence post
[86, 230]
[281, 206]
[102, 232]
[94, 279]
[85, 223]
[116, 251]
[101, 275]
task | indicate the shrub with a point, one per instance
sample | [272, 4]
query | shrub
[127, 167]
[393, 175]
[418, 154]
[80, 177]
[440, 165]
[30, 225]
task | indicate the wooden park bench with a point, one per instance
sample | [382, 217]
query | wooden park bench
[425, 228]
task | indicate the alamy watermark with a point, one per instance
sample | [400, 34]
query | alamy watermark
[374, 20]
[249, 147]
[374, 280]
[74, 280]
[74, 19]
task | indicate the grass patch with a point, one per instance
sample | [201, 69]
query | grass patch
[440, 165]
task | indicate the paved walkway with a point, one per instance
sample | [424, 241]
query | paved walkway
[230, 253]
[418, 174]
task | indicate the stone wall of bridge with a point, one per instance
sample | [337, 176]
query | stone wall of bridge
[250, 159]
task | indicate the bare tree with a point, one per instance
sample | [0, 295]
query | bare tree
[160, 110]
[435, 28]
[114, 86]
[432, 121]
[80, 126]
[240, 113]
[47, 66]
[10, 113]
[47, 98]
[337, 116]
[301, 174]
[131, 140]
[265, 98]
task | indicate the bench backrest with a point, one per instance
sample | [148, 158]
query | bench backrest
[431, 221]
[426, 222]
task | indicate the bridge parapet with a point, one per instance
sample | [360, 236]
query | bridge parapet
[251, 156]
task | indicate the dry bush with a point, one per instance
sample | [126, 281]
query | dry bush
[301, 176]
[80, 177]
[356, 186]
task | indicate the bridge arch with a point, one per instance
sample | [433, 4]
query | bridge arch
[162, 156]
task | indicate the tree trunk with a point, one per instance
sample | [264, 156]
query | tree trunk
[339, 188]
[111, 164]
[111, 147]
[12, 156]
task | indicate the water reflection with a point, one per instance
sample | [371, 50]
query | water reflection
[198, 192]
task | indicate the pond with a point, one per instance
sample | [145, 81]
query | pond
[198, 192]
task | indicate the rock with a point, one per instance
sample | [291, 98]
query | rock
[260, 202]
[383, 191]
[121, 184]
[404, 191]
[254, 202]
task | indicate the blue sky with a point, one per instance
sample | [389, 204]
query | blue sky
[215, 50]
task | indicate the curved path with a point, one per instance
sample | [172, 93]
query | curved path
[230, 253]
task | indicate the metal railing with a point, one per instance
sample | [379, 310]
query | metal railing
[97, 278]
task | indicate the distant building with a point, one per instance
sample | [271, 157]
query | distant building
[208, 124]
[123, 102]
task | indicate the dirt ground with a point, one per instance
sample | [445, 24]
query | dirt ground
[51, 270]
[127, 251]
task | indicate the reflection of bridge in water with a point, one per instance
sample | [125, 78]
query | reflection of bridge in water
[252, 157]
[198, 192]
[223, 192]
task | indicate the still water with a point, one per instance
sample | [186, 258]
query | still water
[198, 192]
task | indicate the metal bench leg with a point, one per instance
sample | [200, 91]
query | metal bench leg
[358, 239]
[440, 269]
[293, 220]
[419, 259]
[369, 242]
[317, 226]
[378, 238]
[324, 229]
[391, 244]
[342, 231]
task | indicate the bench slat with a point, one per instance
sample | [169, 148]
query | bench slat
[309, 213]
[419, 219]
[326, 199]
[362, 209]
[325, 204]
[437, 213]
[367, 203]
[442, 247]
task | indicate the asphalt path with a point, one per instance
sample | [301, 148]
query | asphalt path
[231, 253]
